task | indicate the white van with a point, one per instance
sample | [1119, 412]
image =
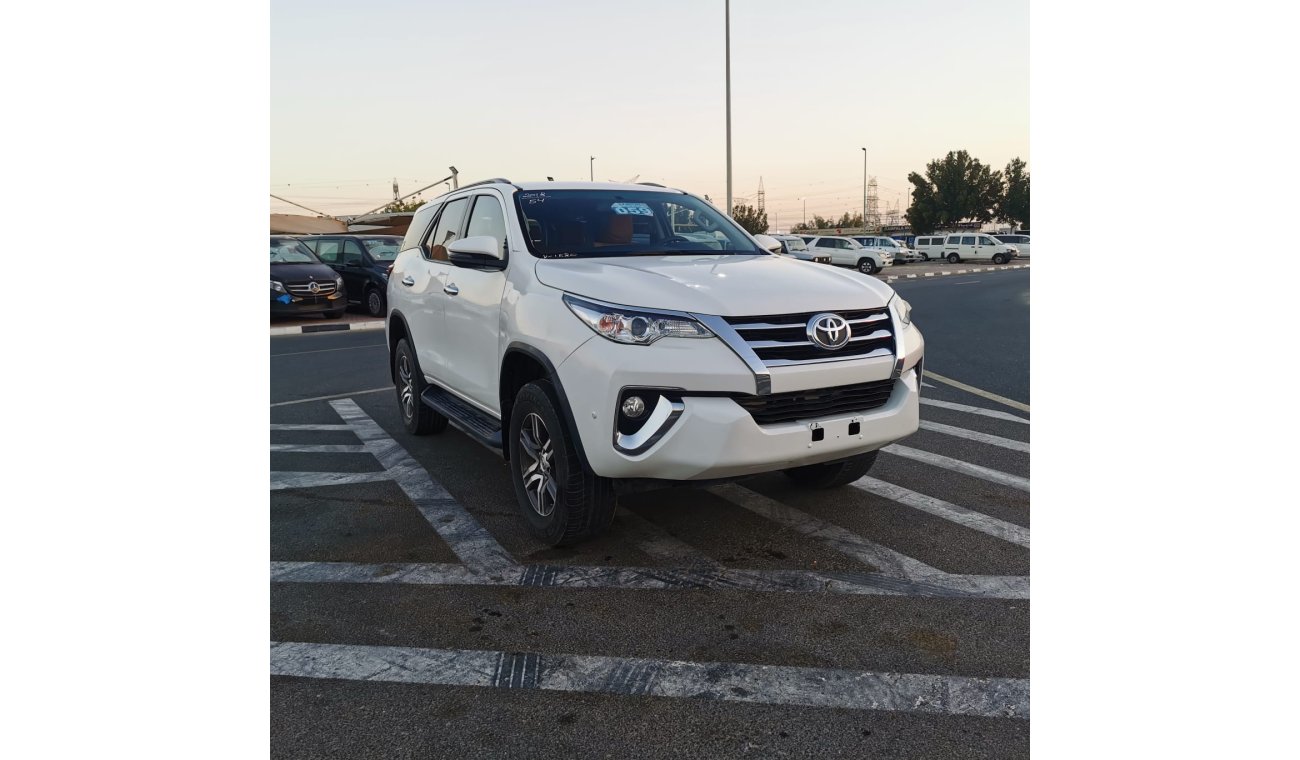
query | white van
[976, 247]
[1019, 240]
[929, 246]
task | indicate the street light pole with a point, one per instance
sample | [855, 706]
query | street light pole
[864, 191]
[591, 169]
[728, 12]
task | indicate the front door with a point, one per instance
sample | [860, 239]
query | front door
[472, 317]
[353, 271]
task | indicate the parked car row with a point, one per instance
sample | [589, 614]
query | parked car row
[968, 247]
[301, 284]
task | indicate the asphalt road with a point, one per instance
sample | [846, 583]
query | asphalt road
[412, 616]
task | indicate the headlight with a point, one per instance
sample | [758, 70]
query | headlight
[903, 309]
[636, 326]
[277, 287]
[338, 282]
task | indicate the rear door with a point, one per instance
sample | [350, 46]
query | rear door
[472, 312]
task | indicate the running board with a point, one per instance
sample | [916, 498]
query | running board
[478, 425]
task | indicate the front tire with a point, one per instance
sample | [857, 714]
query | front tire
[417, 417]
[925, 257]
[954, 258]
[832, 474]
[562, 501]
[999, 259]
[375, 305]
[867, 266]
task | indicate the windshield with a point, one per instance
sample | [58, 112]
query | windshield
[596, 223]
[382, 249]
[795, 244]
[290, 251]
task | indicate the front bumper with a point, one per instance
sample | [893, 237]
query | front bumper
[307, 304]
[714, 437]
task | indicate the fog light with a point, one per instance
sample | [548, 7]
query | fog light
[633, 407]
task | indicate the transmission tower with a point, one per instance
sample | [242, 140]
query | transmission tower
[873, 206]
[761, 195]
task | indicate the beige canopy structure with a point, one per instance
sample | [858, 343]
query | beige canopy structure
[298, 224]
[374, 224]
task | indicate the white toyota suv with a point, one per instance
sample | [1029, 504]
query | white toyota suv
[607, 338]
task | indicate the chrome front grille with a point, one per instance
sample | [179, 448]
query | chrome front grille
[780, 340]
[326, 288]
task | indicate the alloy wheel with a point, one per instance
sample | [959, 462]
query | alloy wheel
[406, 386]
[536, 470]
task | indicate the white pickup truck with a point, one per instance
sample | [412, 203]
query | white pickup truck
[606, 338]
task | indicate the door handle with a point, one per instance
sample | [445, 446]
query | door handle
[451, 289]
[408, 281]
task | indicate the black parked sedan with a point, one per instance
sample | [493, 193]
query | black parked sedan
[301, 284]
[362, 261]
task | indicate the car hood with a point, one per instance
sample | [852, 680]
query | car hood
[302, 273]
[728, 286]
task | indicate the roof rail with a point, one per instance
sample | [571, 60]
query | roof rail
[502, 180]
[651, 184]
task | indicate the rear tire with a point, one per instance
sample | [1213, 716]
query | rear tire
[562, 501]
[954, 258]
[867, 266]
[417, 417]
[375, 305]
[832, 474]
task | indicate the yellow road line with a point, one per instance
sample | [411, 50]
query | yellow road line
[977, 391]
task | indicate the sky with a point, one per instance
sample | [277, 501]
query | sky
[366, 92]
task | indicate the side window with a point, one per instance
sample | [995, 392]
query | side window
[419, 226]
[954, 240]
[986, 241]
[328, 251]
[843, 244]
[825, 243]
[351, 252]
[968, 240]
[446, 230]
[310, 243]
[488, 218]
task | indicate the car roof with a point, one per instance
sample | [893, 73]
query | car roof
[624, 186]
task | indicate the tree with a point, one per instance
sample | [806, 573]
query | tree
[1013, 205]
[401, 207]
[754, 221]
[956, 187]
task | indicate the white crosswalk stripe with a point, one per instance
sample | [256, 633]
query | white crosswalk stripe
[975, 435]
[326, 448]
[983, 523]
[957, 465]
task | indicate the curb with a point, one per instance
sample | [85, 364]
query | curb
[377, 324]
[892, 278]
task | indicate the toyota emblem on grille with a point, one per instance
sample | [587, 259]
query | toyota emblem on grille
[829, 331]
[314, 287]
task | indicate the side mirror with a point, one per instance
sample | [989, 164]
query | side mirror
[768, 243]
[477, 251]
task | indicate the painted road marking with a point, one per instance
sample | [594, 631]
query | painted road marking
[997, 415]
[956, 465]
[295, 426]
[327, 398]
[656, 579]
[656, 542]
[328, 448]
[454, 524]
[326, 350]
[978, 391]
[283, 479]
[975, 435]
[886, 561]
[968, 518]
[734, 682]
